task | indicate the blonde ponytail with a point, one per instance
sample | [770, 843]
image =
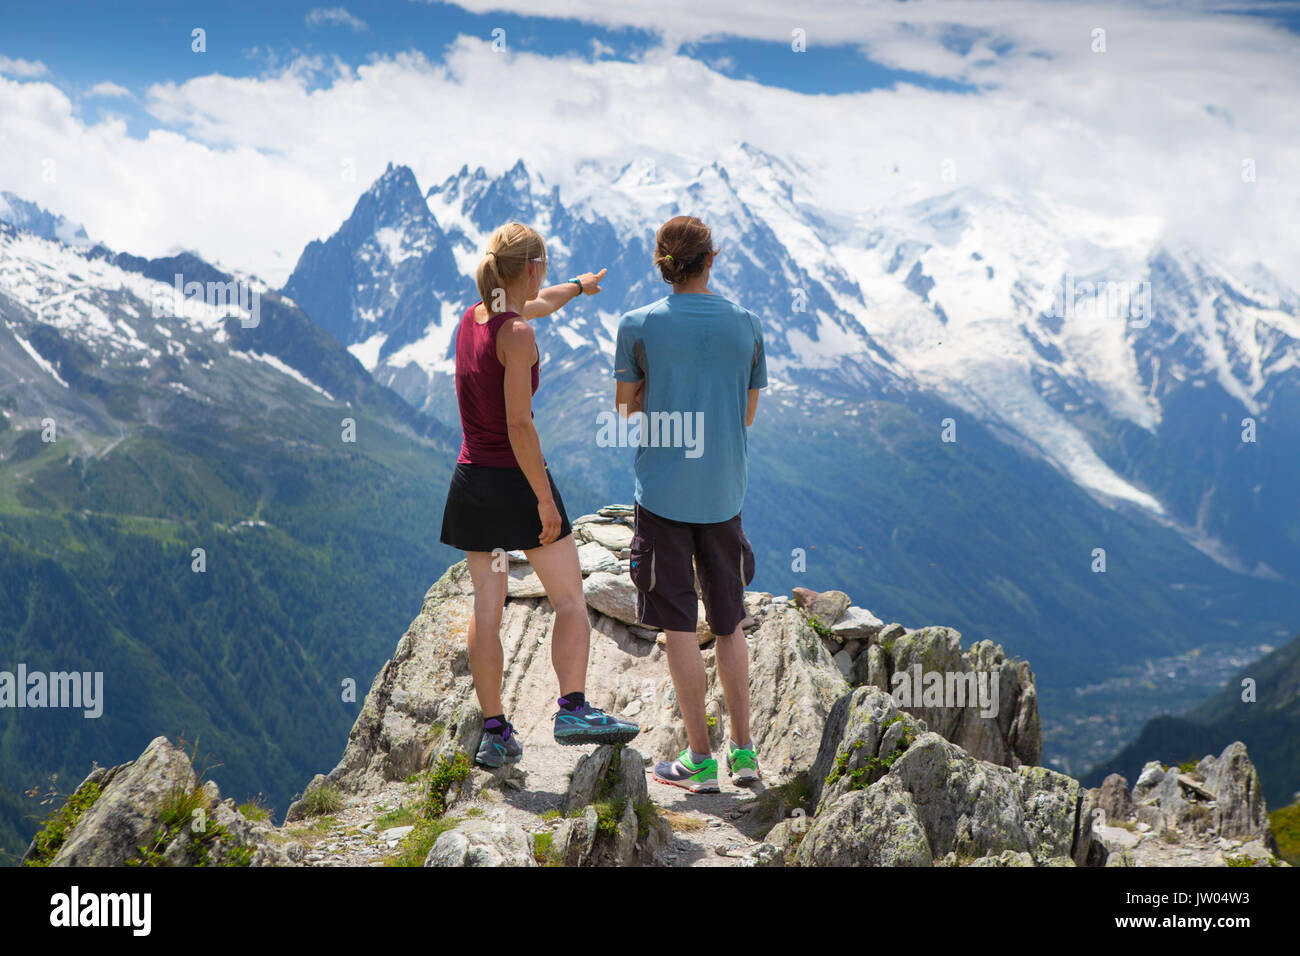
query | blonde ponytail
[509, 251]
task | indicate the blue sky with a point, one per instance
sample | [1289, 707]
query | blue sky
[1013, 91]
[135, 44]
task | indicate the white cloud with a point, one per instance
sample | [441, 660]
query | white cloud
[22, 68]
[336, 16]
[250, 169]
[108, 89]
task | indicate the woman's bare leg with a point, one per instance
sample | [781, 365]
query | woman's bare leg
[558, 569]
[486, 659]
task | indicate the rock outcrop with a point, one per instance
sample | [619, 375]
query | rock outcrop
[1216, 806]
[483, 843]
[154, 810]
[894, 793]
[618, 825]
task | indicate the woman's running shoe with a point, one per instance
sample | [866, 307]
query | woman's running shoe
[591, 725]
[499, 746]
[699, 777]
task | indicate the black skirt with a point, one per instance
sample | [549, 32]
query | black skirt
[490, 508]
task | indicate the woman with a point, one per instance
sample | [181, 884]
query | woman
[503, 498]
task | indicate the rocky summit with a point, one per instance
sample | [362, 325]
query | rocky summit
[880, 745]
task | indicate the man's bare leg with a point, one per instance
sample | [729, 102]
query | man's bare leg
[731, 651]
[686, 664]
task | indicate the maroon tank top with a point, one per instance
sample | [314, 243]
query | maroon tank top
[481, 394]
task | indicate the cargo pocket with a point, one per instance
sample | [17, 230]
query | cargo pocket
[642, 566]
[746, 560]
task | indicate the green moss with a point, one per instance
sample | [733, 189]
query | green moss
[646, 811]
[608, 815]
[821, 629]
[870, 769]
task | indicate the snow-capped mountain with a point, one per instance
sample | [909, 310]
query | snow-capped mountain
[1075, 337]
[28, 216]
[106, 343]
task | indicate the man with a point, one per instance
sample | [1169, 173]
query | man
[693, 363]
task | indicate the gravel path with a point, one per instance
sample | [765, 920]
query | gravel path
[716, 829]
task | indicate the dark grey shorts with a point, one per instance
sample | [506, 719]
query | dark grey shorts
[667, 556]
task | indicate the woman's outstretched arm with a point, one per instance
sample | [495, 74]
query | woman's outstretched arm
[553, 297]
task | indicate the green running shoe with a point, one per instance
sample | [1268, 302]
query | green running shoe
[699, 777]
[742, 764]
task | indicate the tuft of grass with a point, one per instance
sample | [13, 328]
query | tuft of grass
[431, 820]
[683, 822]
[646, 811]
[180, 811]
[318, 801]
[255, 809]
[415, 846]
[400, 817]
[543, 849]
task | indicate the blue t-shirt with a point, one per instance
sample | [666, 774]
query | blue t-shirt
[699, 354]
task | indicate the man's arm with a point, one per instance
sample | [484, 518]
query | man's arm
[552, 298]
[628, 375]
[519, 348]
[757, 371]
[627, 397]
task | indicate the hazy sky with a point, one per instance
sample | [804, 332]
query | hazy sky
[249, 149]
